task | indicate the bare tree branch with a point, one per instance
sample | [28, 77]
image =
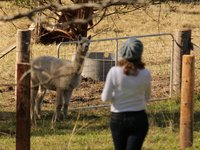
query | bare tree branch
[58, 7]
[101, 18]
[7, 15]
[29, 14]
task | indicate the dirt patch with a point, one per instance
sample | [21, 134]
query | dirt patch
[87, 94]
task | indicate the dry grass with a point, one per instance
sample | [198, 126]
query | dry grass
[151, 20]
[164, 123]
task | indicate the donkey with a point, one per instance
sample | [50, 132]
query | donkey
[58, 75]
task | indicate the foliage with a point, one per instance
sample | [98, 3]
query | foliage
[62, 24]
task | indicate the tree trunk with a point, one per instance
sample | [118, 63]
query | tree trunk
[84, 13]
[65, 33]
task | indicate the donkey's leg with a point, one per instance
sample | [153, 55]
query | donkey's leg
[41, 93]
[66, 98]
[57, 114]
[34, 92]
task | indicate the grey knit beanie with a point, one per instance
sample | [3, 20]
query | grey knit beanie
[132, 49]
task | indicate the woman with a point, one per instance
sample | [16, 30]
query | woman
[128, 88]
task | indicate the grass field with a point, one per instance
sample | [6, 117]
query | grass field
[89, 129]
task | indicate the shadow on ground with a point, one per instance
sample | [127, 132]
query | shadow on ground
[97, 120]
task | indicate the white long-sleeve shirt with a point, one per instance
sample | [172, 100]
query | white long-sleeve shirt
[127, 93]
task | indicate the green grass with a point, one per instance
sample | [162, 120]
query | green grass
[89, 129]
[89, 132]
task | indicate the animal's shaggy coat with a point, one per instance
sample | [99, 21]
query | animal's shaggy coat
[59, 75]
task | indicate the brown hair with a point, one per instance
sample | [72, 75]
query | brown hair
[131, 67]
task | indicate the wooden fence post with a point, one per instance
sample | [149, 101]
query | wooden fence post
[23, 108]
[23, 90]
[23, 46]
[182, 47]
[186, 112]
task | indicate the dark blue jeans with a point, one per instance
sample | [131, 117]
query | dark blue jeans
[129, 129]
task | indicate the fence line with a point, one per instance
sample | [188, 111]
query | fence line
[20, 140]
[158, 68]
[108, 105]
[115, 39]
[116, 53]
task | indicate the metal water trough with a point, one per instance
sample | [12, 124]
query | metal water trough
[97, 65]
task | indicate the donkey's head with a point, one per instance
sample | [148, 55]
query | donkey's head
[83, 44]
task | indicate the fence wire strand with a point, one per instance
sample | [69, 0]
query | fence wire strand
[157, 56]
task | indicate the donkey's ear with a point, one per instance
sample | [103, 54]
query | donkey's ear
[89, 37]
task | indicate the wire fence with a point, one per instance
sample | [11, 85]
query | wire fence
[103, 54]
[7, 69]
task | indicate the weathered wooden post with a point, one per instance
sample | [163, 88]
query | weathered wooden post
[23, 46]
[182, 46]
[23, 90]
[186, 112]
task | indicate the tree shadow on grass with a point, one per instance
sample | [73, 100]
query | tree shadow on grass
[88, 121]
[7, 123]
[82, 121]
[172, 119]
